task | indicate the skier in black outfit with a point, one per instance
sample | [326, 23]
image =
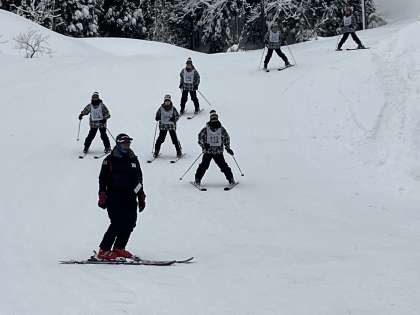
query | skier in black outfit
[348, 29]
[189, 82]
[167, 116]
[273, 41]
[212, 139]
[99, 114]
[120, 186]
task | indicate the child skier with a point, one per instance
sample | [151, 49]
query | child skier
[99, 114]
[189, 82]
[167, 116]
[273, 42]
[212, 139]
[348, 29]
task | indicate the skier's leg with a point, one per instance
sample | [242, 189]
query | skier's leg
[282, 56]
[184, 99]
[268, 57]
[110, 235]
[224, 167]
[356, 39]
[175, 141]
[128, 223]
[343, 40]
[202, 168]
[90, 137]
[195, 100]
[160, 140]
[105, 138]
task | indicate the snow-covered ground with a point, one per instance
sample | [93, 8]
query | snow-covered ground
[324, 222]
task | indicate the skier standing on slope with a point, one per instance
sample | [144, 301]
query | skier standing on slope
[348, 29]
[167, 116]
[212, 139]
[120, 186]
[189, 82]
[99, 114]
[273, 42]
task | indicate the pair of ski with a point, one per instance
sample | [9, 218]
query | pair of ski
[280, 69]
[99, 156]
[171, 161]
[202, 188]
[135, 261]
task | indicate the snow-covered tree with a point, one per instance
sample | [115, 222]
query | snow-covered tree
[42, 12]
[81, 17]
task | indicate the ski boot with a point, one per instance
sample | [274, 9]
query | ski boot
[107, 150]
[106, 255]
[122, 253]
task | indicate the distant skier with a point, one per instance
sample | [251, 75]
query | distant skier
[189, 82]
[273, 41]
[167, 116]
[99, 114]
[120, 185]
[348, 29]
[212, 139]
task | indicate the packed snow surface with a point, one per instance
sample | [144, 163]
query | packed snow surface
[324, 222]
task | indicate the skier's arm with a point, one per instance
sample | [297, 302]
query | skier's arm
[202, 138]
[266, 39]
[85, 111]
[157, 116]
[105, 112]
[175, 117]
[181, 80]
[103, 176]
[225, 139]
[196, 79]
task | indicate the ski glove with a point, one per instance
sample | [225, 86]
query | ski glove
[206, 146]
[102, 200]
[229, 150]
[80, 117]
[195, 87]
[142, 201]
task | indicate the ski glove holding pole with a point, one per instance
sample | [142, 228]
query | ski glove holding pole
[102, 200]
[142, 200]
[80, 116]
[229, 150]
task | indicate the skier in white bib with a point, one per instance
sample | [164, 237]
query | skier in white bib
[348, 29]
[189, 82]
[273, 42]
[99, 114]
[213, 139]
[167, 116]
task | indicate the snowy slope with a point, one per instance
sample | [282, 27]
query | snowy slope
[324, 222]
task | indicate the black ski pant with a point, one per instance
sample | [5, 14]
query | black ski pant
[221, 163]
[346, 36]
[122, 211]
[270, 53]
[162, 137]
[194, 98]
[92, 134]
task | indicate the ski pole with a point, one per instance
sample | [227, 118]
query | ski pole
[191, 166]
[204, 98]
[242, 174]
[111, 134]
[262, 56]
[290, 51]
[78, 131]
[154, 138]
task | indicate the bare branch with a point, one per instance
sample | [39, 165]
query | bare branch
[33, 43]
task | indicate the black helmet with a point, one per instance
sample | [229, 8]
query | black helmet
[123, 138]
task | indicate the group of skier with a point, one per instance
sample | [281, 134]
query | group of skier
[121, 189]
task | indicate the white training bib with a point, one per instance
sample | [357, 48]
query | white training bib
[96, 113]
[214, 138]
[348, 20]
[189, 76]
[166, 115]
[274, 37]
